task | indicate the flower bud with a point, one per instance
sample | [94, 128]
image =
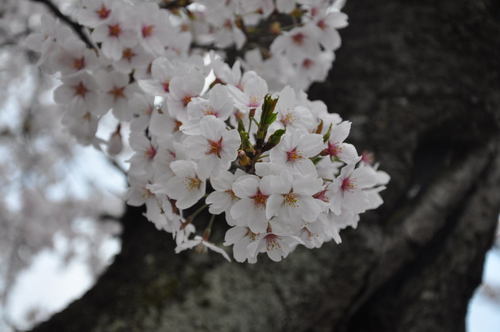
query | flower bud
[243, 159]
[275, 28]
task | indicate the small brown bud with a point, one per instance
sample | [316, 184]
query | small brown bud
[275, 28]
[243, 159]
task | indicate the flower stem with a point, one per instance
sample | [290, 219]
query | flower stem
[191, 218]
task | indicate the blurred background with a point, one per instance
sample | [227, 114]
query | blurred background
[60, 202]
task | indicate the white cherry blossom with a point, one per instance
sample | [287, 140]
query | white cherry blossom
[336, 148]
[250, 210]
[155, 29]
[96, 12]
[72, 57]
[295, 149]
[117, 33]
[240, 238]
[145, 153]
[349, 189]
[116, 93]
[215, 148]
[250, 93]
[292, 198]
[187, 186]
[223, 198]
[276, 246]
[79, 93]
[182, 90]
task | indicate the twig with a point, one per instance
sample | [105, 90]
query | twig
[77, 28]
[115, 163]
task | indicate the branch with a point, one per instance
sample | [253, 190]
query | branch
[77, 28]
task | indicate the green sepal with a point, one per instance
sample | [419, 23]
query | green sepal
[326, 136]
[274, 139]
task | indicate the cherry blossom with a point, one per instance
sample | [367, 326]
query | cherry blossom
[336, 148]
[295, 149]
[79, 93]
[349, 188]
[240, 238]
[215, 148]
[250, 210]
[223, 197]
[96, 12]
[116, 34]
[116, 93]
[292, 198]
[187, 186]
[276, 246]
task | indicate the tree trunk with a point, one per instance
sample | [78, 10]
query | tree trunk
[420, 81]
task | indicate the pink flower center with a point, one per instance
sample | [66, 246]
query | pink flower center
[103, 12]
[117, 92]
[128, 54]
[290, 199]
[211, 111]
[178, 125]
[293, 155]
[333, 149]
[114, 30]
[322, 24]
[79, 63]
[80, 89]
[186, 100]
[232, 195]
[347, 184]
[307, 63]
[214, 147]
[193, 183]
[272, 241]
[298, 38]
[251, 235]
[151, 152]
[147, 30]
[166, 86]
[259, 199]
[287, 119]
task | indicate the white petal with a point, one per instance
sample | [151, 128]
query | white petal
[246, 186]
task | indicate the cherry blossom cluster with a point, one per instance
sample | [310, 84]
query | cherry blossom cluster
[304, 35]
[210, 137]
[126, 36]
[274, 164]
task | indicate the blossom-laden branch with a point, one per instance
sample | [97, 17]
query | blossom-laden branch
[273, 162]
[77, 28]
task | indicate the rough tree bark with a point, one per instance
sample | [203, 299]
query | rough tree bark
[420, 81]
